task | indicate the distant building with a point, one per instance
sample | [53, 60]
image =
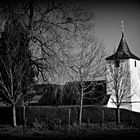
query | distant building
[121, 56]
[53, 94]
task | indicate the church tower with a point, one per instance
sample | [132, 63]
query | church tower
[123, 77]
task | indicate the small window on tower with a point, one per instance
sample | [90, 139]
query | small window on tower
[117, 63]
[135, 63]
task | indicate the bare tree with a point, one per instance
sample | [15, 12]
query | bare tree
[16, 66]
[48, 26]
[9, 93]
[13, 80]
[86, 61]
[53, 23]
[119, 84]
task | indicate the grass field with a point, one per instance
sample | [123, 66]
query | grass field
[74, 132]
[52, 122]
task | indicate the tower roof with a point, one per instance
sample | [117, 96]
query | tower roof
[123, 51]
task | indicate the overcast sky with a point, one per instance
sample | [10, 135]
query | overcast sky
[109, 15]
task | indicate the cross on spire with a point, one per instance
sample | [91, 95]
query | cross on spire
[122, 29]
[122, 25]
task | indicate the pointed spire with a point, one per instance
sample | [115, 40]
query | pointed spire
[123, 51]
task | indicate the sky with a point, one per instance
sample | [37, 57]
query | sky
[109, 14]
[108, 17]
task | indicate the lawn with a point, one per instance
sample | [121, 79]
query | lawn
[52, 123]
[73, 132]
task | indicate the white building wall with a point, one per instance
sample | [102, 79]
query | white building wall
[110, 88]
[135, 84]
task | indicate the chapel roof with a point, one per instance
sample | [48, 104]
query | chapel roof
[123, 51]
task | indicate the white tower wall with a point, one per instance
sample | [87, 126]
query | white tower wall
[134, 68]
[135, 84]
[110, 83]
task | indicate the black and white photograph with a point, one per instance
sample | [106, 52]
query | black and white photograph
[69, 69]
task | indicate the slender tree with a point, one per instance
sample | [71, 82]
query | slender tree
[16, 71]
[87, 62]
[119, 85]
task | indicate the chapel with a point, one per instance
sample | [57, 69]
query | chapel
[123, 77]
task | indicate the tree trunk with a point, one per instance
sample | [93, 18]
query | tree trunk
[23, 112]
[118, 116]
[103, 116]
[69, 117]
[81, 108]
[14, 115]
[24, 116]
